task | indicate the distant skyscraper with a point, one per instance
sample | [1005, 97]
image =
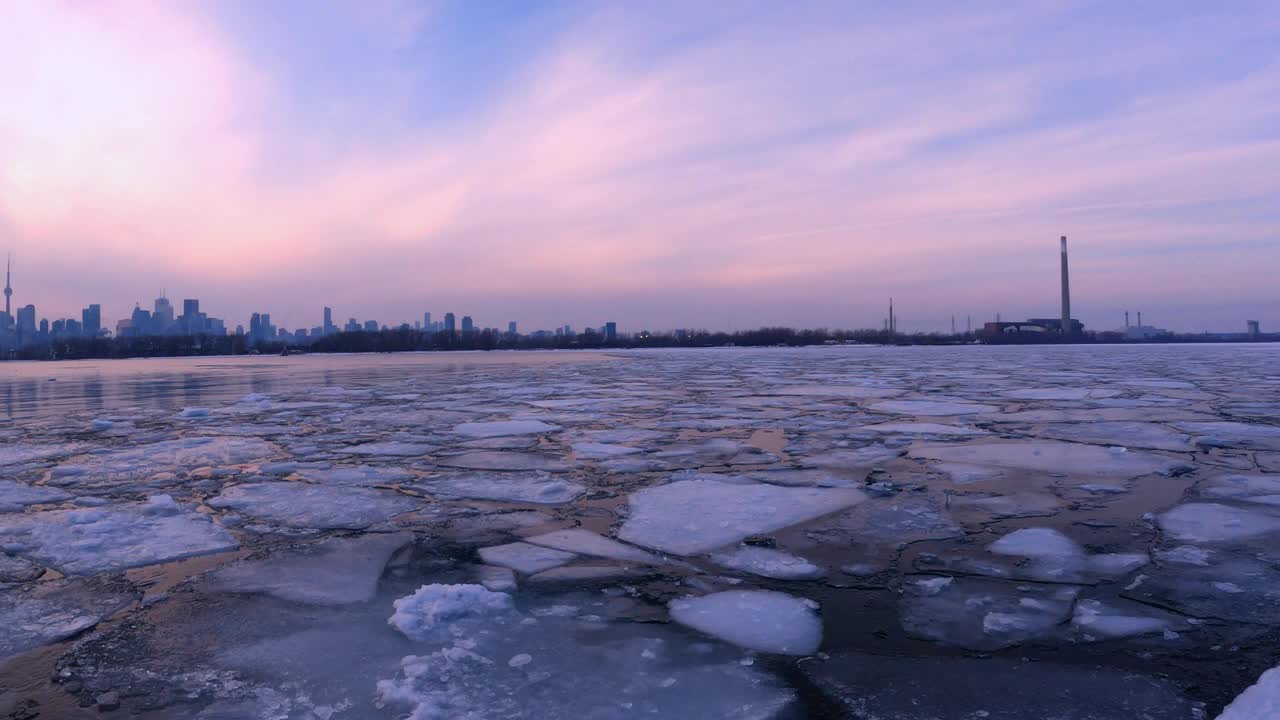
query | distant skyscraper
[468, 325]
[611, 331]
[91, 320]
[450, 323]
[426, 321]
[371, 325]
[328, 321]
[190, 319]
[26, 323]
[512, 328]
[162, 315]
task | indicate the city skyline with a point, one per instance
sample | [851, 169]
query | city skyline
[697, 167]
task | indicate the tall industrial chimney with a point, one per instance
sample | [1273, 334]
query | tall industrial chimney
[1066, 291]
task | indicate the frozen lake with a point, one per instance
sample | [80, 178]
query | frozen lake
[1082, 533]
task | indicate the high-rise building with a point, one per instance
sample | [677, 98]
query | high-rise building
[26, 324]
[371, 326]
[1253, 326]
[426, 321]
[450, 323]
[162, 315]
[190, 320]
[91, 320]
[512, 328]
[140, 322]
[468, 325]
[611, 331]
[328, 321]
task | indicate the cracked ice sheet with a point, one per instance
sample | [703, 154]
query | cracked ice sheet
[526, 487]
[135, 464]
[931, 408]
[42, 613]
[532, 666]
[1053, 457]
[118, 537]
[301, 505]
[18, 454]
[983, 615]
[691, 517]
[16, 495]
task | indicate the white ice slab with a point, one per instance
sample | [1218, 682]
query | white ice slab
[504, 428]
[303, 505]
[392, 448]
[923, 428]
[767, 562]
[41, 613]
[17, 454]
[359, 475]
[16, 495]
[338, 571]
[1259, 701]
[498, 460]
[1052, 457]
[1212, 523]
[760, 620]
[83, 542]
[585, 542]
[526, 487]
[1234, 434]
[524, 558]
[691, 517]
[931, 408]
[602, 451]
[175, 456]
[1124, 434]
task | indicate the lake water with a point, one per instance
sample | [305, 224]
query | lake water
[908, 533]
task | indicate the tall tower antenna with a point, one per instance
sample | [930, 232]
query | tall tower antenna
[8, 290]
[1066, 291]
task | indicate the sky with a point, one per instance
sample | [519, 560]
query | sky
[717, 165]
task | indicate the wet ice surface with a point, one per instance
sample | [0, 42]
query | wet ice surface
[844, 532]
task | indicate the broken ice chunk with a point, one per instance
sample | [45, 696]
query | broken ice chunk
[302, 505]
[1211, 522]
[499, 460]
[760, 620]
[46, 612]
[524, 558]
[338, 571]
[82, 542]
[690, 517]
[1051, 456]
[504, 428]
[767, 562]
[585, 542]
[537, 487]
[431, 606]
[982, 614]
[1260, 700]
[16, 495]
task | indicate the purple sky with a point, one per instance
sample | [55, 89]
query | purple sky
[658, 164]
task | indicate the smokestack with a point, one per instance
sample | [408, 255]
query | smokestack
[1066, 291]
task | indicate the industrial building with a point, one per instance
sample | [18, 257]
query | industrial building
[1040, 329]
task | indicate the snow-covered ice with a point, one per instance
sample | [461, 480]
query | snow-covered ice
[115, 537]
[761, 620]
[585, 542]
[504, 428]
[433, 607]
[1214, 522]
[1259, 701]
[15, 495]
[1053, 457]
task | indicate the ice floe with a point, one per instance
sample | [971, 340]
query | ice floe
[41, 613]
[525, 558]
[498, 460]
[337, 571]
[585, 542]
[15, 495]
[537, 487]
[691, 517]
[504, 428]
[983, 614]
[116, 537]
[1213, 523]
[303, 505]
[767, 562]
[1258, 701]
[760, 620]
[423, 614]
[1053, 457]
